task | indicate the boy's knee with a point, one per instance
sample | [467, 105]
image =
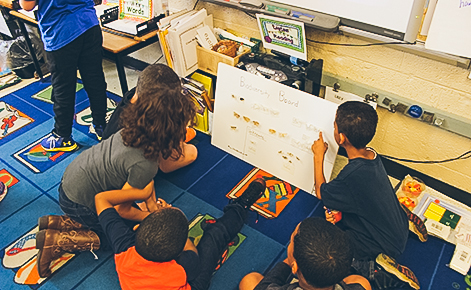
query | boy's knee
[250, 281]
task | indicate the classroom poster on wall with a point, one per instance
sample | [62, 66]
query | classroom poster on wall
[283, 35]
[450, 28]
[272, 126]
[137, 10]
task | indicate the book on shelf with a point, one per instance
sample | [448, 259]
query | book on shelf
[177, 34]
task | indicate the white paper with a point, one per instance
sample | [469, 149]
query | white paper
[3, 26]
[182, 43]
[450, 28]
[272, 126]
[461, 260]
[283, 35]
[123, 25]
[30, 14]
[100, 9]
[206, 36]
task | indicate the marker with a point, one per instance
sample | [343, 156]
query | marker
[276, 9]
[303, 16]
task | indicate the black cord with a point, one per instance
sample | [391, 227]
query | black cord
[159, 58]
[349, 44]
[465, 155]
[250, 14]
[196, 3]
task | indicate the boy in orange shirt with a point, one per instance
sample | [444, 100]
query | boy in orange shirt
[159, 255]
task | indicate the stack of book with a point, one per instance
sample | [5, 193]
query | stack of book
[177, 38]
[200, 88]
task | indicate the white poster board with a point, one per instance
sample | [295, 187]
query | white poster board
[272, 126]
[450, 28]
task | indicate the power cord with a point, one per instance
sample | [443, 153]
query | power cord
[196, 3]
[159, 59]
[465, 155]
[253, 16]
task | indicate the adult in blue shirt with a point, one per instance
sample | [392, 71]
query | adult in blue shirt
[72, 39]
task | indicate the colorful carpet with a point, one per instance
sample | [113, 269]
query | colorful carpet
[199, 189]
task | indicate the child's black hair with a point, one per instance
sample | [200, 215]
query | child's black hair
[322, 252]
[357, 120]
[161, 236]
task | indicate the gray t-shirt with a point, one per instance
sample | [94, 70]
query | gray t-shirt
[106, 166]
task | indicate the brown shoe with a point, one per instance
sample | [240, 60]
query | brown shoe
[61, 223]
[52, 244]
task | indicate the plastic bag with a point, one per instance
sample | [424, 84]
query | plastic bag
[18, 57]
[4, 47]
[410, 191]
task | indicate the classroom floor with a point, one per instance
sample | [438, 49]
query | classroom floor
[199, 188]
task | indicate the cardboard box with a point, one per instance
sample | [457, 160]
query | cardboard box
[208, 60]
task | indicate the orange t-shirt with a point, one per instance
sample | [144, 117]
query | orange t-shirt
[135, 273]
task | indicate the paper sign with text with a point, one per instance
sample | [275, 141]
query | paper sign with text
[283, 35]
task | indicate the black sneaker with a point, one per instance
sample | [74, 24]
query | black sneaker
[97, 130]
[389, 274]
[252, 193]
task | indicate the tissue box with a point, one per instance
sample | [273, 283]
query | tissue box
[208, 60]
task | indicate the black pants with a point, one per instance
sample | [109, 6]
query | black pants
[215, 239]
[86, 54]
[87, 217]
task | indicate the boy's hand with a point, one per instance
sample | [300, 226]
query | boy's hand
[329, 216]
[319, 147]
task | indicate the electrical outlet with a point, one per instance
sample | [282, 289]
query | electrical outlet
[438, 121]
[428, 117]
[386, 101]
[401, 108]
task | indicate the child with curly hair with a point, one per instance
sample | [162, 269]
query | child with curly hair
[153, 128]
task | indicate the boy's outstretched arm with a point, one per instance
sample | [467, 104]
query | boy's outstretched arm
[319, 148]
[123, 198]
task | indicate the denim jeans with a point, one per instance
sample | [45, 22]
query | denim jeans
[364, 268]
[84, 53]
[215, 239]
[83, 215]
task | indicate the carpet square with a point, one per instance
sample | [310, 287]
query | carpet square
[19, 194]
[208, 156]
[51, 176]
